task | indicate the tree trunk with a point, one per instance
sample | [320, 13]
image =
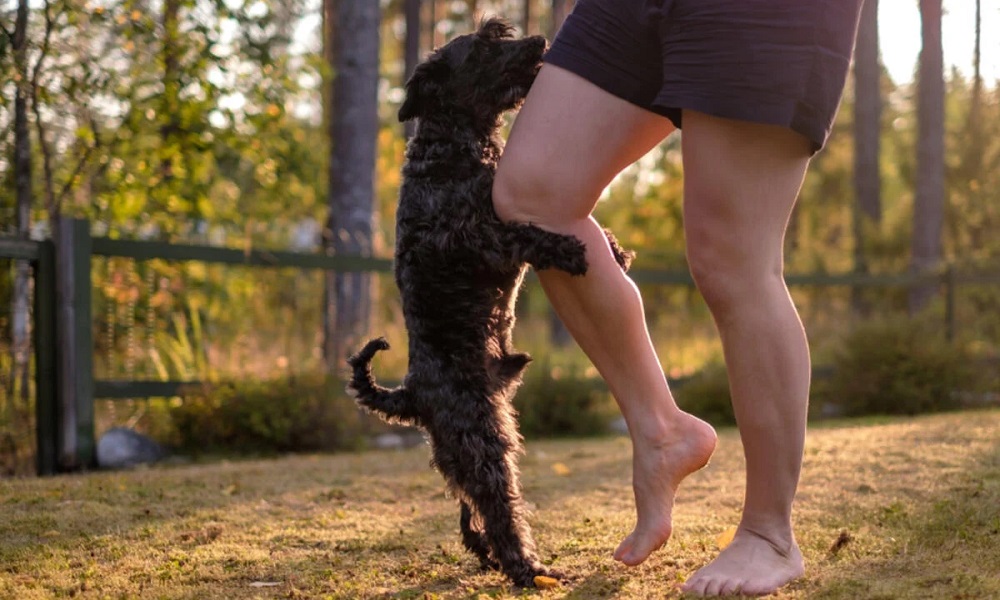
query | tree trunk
[20, 335]
[473, 9]
[411, 53]
[353, 131]
[929, 196]
[171, 86]
[973, 159]
[867, 133]
[432, 24]
[560, 8]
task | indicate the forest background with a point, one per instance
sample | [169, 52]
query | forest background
[267, 124]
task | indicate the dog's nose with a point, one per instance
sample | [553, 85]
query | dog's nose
[539, 41]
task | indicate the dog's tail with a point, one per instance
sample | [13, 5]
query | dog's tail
[394, 405]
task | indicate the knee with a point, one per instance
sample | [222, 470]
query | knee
[712, 277]
[728, 274]
[518, 190]
[525, 192]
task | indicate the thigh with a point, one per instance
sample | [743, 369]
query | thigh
[568, 142]
[741, 181]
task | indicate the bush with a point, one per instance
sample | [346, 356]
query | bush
[706, 395]
[899, 366]
[556, 401]
[294, 414]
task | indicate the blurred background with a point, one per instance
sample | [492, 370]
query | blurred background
[265, 127]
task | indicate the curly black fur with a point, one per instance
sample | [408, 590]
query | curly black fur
[458, 268]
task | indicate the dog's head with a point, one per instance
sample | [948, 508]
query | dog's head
[481, 74]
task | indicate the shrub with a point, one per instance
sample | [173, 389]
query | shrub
[706, 395]
[557, 401]
[898, 366]
[294, 414]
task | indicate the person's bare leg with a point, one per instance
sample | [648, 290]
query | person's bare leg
[569, 141]
[741, 182]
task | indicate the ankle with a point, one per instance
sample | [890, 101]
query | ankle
[657, 428]
[778, 534]
[680, 432]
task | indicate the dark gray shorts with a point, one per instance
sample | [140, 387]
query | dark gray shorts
[779, 62]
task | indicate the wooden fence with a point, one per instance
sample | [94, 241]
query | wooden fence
[64, 346]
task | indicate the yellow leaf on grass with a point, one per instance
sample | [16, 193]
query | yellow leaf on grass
[545, 583]
[561, 469]
[725, 538]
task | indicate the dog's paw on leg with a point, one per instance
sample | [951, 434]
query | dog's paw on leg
[570, 255]
[623, 257]
[547, 250]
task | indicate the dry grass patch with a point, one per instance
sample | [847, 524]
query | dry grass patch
[902, 508]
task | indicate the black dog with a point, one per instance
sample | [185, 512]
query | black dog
[458, 268]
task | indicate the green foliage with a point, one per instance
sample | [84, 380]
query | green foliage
[557, 401]
[706, 395]
[899, 366]
[262, 417]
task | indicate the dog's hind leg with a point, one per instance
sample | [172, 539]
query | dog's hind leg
[505, 526]
[484, 469]
[473, 540]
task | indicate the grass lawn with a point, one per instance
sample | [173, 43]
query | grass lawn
[889, 508]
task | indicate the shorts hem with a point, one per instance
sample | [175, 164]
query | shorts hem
[782, 114]
[614, 84]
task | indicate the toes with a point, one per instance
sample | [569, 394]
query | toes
[624, 548]
[695, 586]
[639, 548]
[731, 587]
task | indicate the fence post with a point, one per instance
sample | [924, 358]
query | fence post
[74, 347]
[45, 360]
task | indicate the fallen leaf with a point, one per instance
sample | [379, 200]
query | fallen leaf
[561, 469]
[725, 538]
[842, 540]
[545, 583]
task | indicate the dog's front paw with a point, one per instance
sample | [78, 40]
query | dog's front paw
[569, 255]
[623, 257]
[548, 250]
[576, 263]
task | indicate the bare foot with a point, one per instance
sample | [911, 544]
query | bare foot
[657, 471]
[750, 565]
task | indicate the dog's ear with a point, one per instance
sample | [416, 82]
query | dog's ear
[423, 86]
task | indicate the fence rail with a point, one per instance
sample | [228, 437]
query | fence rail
[64, 379]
